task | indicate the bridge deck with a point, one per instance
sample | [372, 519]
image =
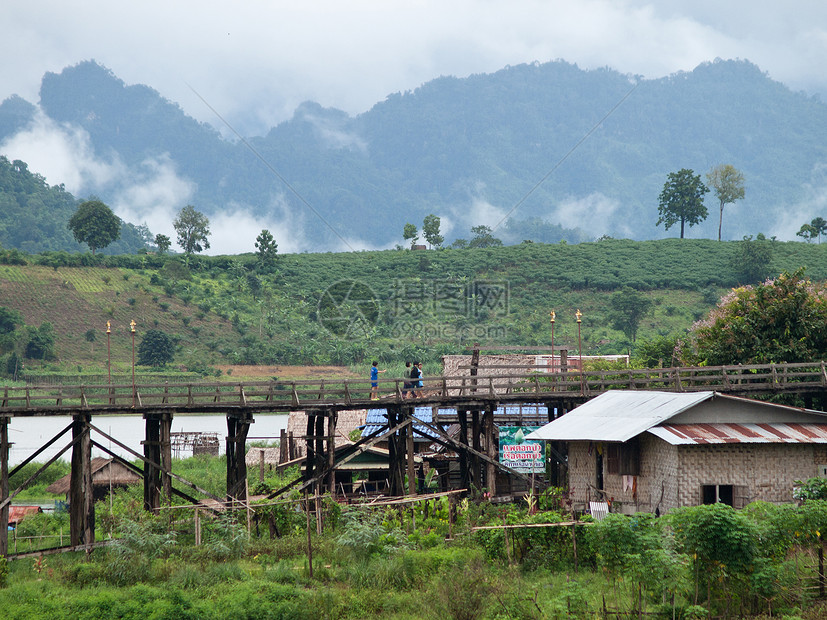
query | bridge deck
[456, 391]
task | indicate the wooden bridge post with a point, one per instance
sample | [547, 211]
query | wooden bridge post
[4, 485]
[409, 450]
[310, 450]
[489, 430]
[397, 447]
[462, 416]
[237, 428]
[165, 450]
[321, 457]
[321, 461]
[81, 500]
[331, 450]
[152, 453]
[476, 469]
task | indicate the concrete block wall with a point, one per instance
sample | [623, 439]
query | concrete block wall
[581, 473]
[767, 470]
[655, 488]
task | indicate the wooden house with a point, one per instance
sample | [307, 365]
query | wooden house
[655, 451]
[106, 474]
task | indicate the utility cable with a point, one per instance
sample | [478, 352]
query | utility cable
[270, 167]
[565, 157]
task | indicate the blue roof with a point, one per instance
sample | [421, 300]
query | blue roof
[377, 418]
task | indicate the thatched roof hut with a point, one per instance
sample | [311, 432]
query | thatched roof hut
[105, 473]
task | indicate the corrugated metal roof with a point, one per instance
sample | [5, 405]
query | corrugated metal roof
[694, 434]
[18, 513]
[618, 415]
[377, 418]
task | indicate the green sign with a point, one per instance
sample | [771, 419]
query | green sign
[519, 453]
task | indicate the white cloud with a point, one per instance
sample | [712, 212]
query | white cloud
[155, 195]
[596, 214]
[813, 205]
[62, 154]
[254, 62]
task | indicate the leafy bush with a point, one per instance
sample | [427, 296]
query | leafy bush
[370, 533]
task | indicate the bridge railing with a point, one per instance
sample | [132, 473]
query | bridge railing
[291, 395]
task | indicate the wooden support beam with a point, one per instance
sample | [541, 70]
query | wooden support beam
[409, 450]
[237, 429]
[457, 444]
[81, 500]
[166, 455]
[476, 469]
[310, 452]
[464, 476]
[489, 430]
[321, 465]
[143, 458]
[394, 483]
[152, 456]
[331, 451]
[4, 486]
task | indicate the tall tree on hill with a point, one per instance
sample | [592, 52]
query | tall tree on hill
[430, 230]
[266, 250]
[682, 200]
[410, 233]
[819, 225]
[728, 184]
[193, 228]
[483, 237]
[163, 243]
[807, 232]
[95, 225]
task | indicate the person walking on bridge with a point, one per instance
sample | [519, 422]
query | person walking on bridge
[416, 379]
[374, 381]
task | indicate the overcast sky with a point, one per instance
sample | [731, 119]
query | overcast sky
[255, 61]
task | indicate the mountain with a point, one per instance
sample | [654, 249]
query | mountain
[586, 152]
[34, 216]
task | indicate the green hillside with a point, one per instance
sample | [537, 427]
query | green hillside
[347, 309]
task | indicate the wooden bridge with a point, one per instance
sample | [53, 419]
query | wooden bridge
[447, 391]
[476, 394]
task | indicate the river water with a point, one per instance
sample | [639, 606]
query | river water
[30, 433]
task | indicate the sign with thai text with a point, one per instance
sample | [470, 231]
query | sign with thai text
[519, 453]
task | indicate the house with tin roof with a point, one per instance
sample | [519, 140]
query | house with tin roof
[648, 451]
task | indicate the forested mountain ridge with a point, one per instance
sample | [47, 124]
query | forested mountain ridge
[459, 146]
[34, 216]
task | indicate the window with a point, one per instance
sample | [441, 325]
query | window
[623, 459]
[733, 495]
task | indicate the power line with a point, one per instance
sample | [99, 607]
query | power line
[565, 157]
[270, 167]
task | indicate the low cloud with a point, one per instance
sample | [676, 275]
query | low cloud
[62, 153]
[813, 205]
[596, 214]
[154, 197]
